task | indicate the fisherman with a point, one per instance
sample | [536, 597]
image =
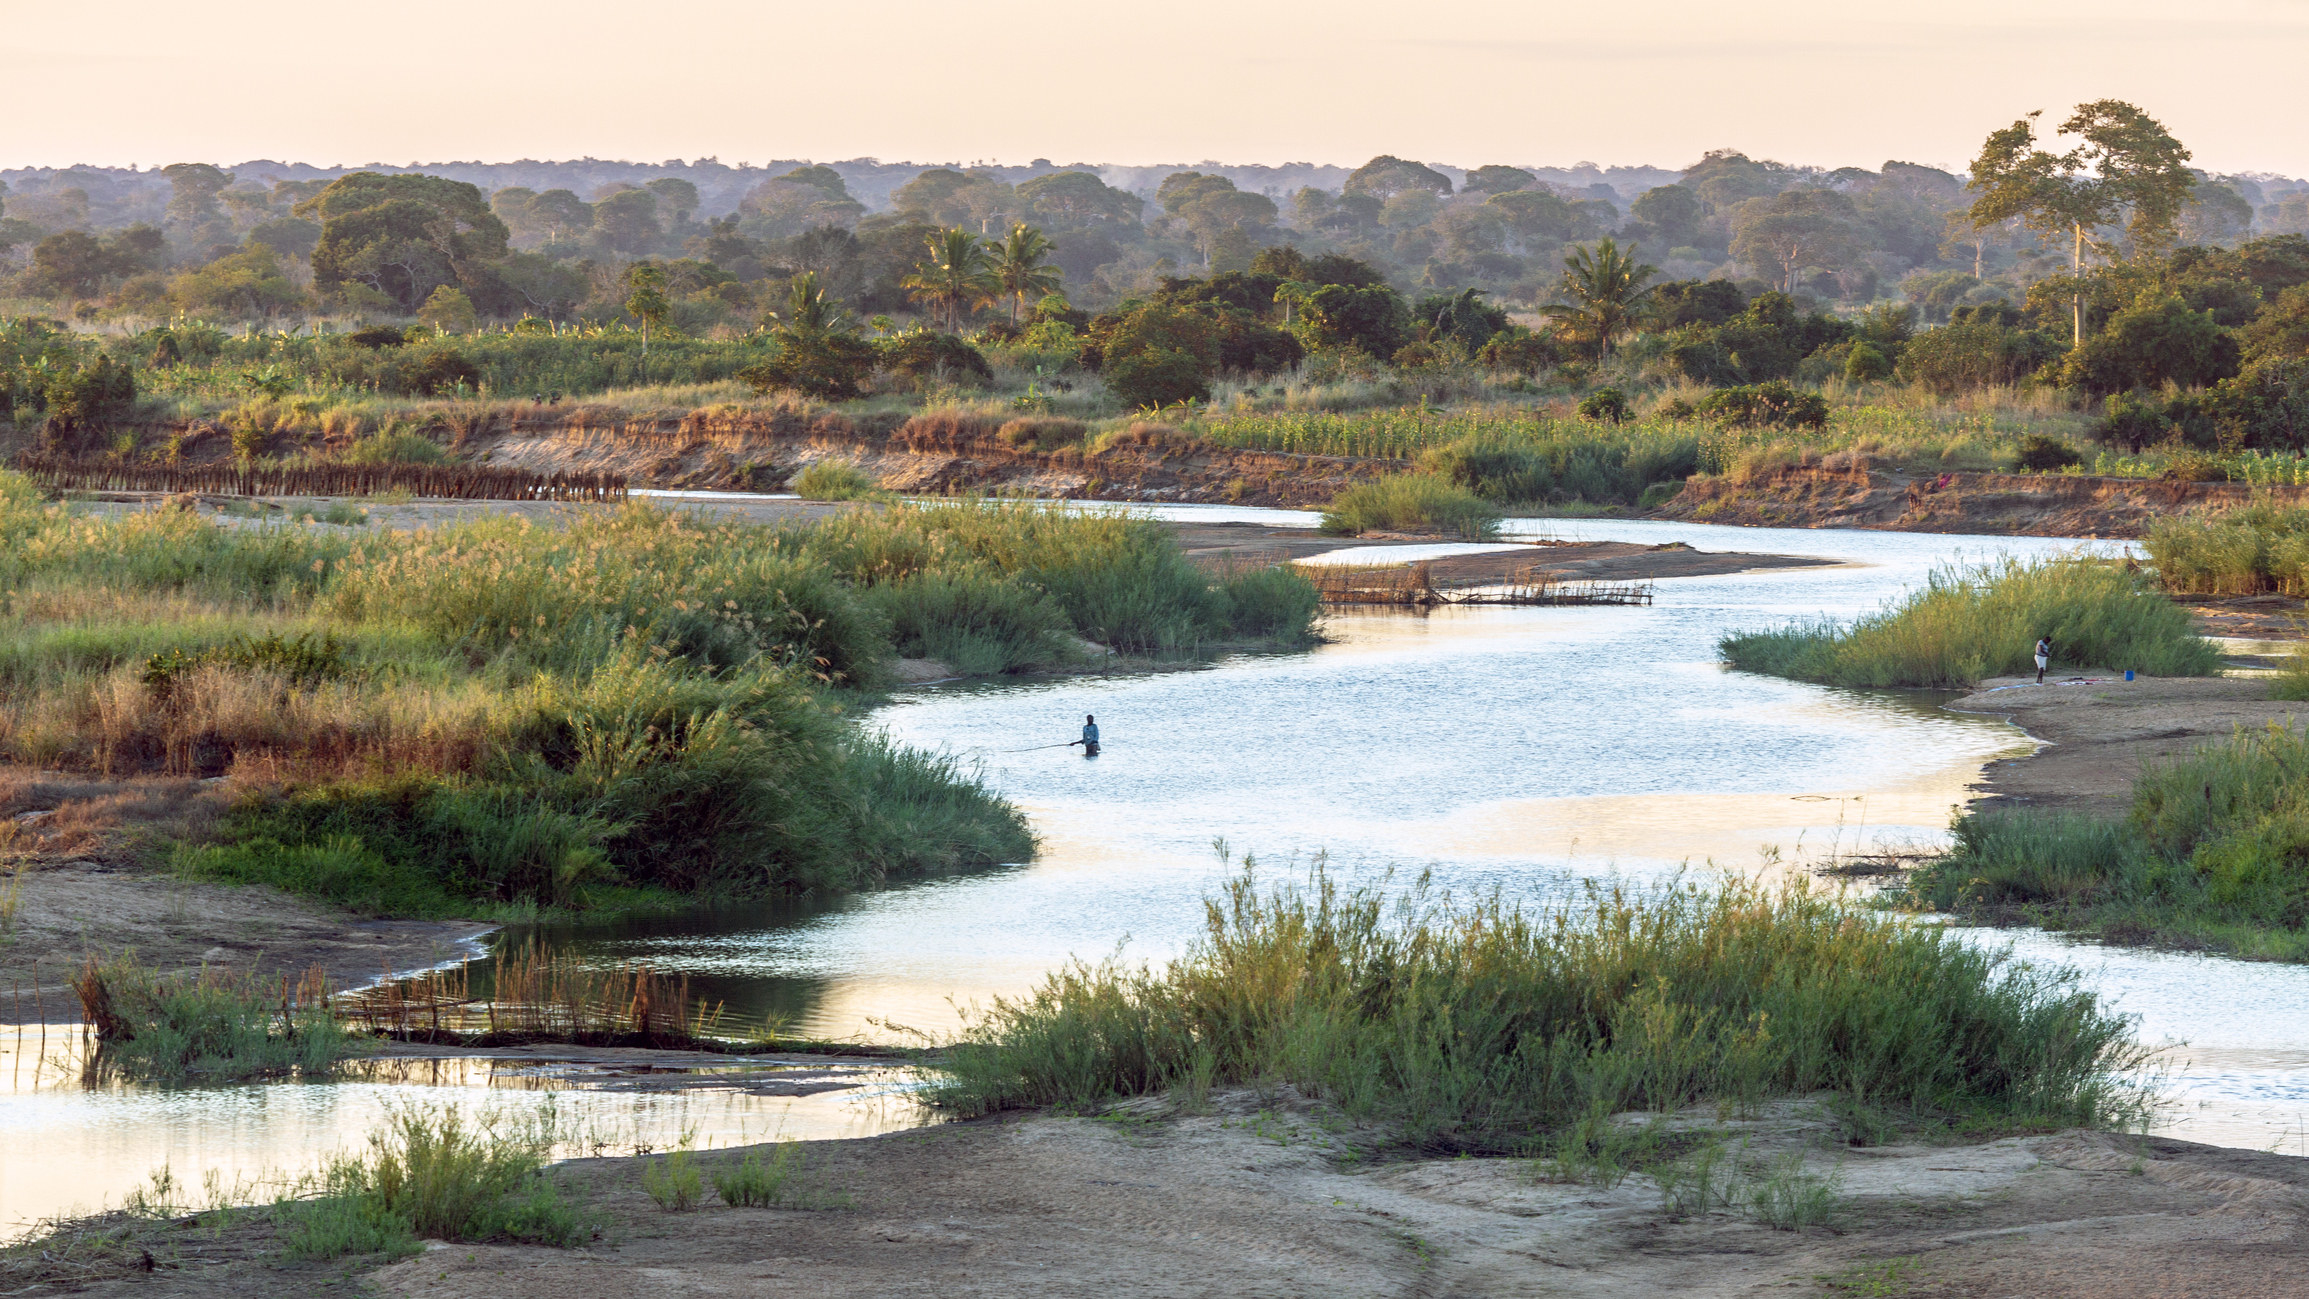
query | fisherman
[1089, 740]
[2043, 656]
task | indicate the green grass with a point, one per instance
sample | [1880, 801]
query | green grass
[1485, 1027]
[631, 704]
[835, 480]
[2209, 855]
[1415, 502]
[2260, 547]
[436, 1173]
[760, 1180]
[1968, 624]
[154, 1027]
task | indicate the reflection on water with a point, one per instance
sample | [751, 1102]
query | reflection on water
[74, 1145]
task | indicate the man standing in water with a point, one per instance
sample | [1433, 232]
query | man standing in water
[2043, 656]
[1089, 740]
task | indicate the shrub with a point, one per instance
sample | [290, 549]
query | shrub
[1966, 625]
[1415, 502]
[1152, 378]
[1479, 1026]
[1604, 406]
[2260, 547]
[1866, 363]
[1042, 432]
[440, 370]
[923, 355]
[1774, 405]
[2040, 454]
[834, 480]
[758, 1182]
[2155, 341]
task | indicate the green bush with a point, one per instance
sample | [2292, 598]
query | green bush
[1766, 405]
[2214, 852]
[1483, 1027]
[1604, 406]
[834, 480]
[1152, 378]
[2040, 454]
[1967, 625]
[1415, 502]
[395, 448]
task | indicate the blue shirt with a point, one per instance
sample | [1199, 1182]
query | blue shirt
[1089, 733]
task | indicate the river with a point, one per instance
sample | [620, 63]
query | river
[1524, 750]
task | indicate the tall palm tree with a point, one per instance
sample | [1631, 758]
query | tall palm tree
[1019, 266]
[1603, 291]
[957, 277]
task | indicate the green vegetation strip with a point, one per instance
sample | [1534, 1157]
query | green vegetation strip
[2208, 856]
[1487, 1027]
[498, 717]
[1968, 624]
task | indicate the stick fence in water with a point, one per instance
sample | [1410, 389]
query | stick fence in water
[450, 482]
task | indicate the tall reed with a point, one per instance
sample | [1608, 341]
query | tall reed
[1968, 624]
[1484, 1025]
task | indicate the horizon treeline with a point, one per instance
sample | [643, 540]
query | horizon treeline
[123, 248]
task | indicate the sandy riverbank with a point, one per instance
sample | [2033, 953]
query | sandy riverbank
[1273, 1196]
[2096, 733]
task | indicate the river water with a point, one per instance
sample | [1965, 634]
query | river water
[1525, 750]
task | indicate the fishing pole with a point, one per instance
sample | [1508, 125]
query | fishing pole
[1038, 748]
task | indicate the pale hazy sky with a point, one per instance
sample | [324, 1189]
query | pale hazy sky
[1462, 82]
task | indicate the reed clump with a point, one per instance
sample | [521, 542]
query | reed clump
[1968, 624]
[1413, 502]
[1485, 1026]
[2209, 854]
[155, 1027]
[2259, 547]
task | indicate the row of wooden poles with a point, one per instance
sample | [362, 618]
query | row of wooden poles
[1414, 584]
[235, 478]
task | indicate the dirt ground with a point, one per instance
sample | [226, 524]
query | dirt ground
[1270, 1196]
[82, 889]
[2097, 732]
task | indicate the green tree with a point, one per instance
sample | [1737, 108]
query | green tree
[1795, 231]
[819, 351]
[402, 236]
[448, 310]
[1386, 176]
[645, 299]
[1602, 292]
[1020, 267]
[2124, 164]
[957, 277]
[2155, 341]
[1496, 179]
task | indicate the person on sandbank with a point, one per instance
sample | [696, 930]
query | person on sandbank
[1089, 740]
[2043, 656]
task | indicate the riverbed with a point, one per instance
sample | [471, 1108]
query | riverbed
[1523, 750]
